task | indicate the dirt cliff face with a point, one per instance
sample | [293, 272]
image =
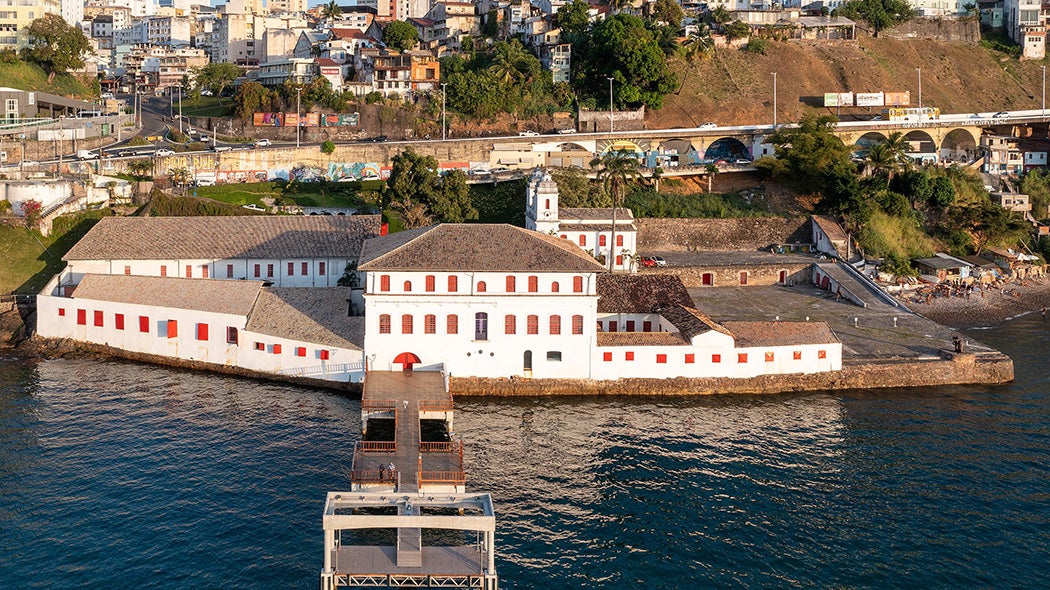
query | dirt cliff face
[734, 87]
[12, 328]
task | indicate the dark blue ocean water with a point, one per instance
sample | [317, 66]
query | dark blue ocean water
[119, 475]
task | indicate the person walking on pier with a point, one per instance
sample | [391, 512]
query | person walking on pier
[382, 472]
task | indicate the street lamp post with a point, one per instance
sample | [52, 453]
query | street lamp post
[610, 105]
[774, 101]
[298, 123]
[443, 136]
[1042, 105]
[919, 70]
[180, 110]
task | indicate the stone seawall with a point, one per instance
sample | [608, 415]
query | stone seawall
[962, 370]
[53, 348]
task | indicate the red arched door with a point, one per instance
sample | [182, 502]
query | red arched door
[406, 360]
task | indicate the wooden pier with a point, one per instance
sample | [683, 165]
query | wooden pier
[409, 478]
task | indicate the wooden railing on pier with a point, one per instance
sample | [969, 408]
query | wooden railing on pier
[435, 405]
[378, 405]
[439, 477]
[442, 447]
[377, 446]
[373, 476]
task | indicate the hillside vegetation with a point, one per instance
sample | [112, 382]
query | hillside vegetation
[736, 87]
[26, 76]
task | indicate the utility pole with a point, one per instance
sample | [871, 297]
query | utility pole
[919, 70]
[1043, 103]
[610, 105]
[180, 110]
[298, 123]
[774, 101]
[443, 125]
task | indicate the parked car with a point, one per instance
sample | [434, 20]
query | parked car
[125, 153]
[708, 125]
[263, 143]
[205, 138]
[379, 139]
[647, 261]
[499, 169]
[527, 133]
[205, 182]
[165, 153]
[371, 177]
[86, 155]
[28, 163]
[567, 131]
[659, 261]
[106, 95]
[1001, 115]
[221, 148]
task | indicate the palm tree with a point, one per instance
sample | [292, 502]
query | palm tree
[698, 43]
[898, 147]
[712, 169]
[617, 169]
[506, 59]
[720, 16]
[331, 11]
[179, 176]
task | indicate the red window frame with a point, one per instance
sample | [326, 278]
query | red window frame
[269, 271]
[231, 335]
[81, 317]
[716, 358]
[291, 269]
[555, 287]
[822, 354]
[260, 346]
[384, 323]
[482, 287]
[229, 271]
[127, 269]
[277, 349]
[511, 283]
[258, 270]
[430, 284]
[407, 286]
[144, 324]
[554, 325]
[583, 240]
[61, 312]
[661, 359]
[769, 357]
[406, 323]
[797, 355]
[384, 283]
[430, 324]
[163, 270]
[452, 324]
[202, 331]
[510, 325]
[305, 267]
[690, 358]
[173, 328]
[607, 357]
[619, 240]
[321, 268]
[602, 241]
[628, 356]
[189, 271]
[118, 321]
[741, 357]
[534, 283]
[577, 324]
[577, 284]
[204, 271]
[300, 351]
[453, 283]
[532, 324]
[99, 318]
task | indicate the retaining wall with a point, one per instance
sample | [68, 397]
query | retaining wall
[875, 374]
[746, 233]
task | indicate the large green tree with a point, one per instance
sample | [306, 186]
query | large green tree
[452, 203]
[880, 14]
[55, 46]
[667, 12]
[574, 20]
[417, 191]
[400, 35]
[623, 48]
[215, 76]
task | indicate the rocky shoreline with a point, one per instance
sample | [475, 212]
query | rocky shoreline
[983, 309]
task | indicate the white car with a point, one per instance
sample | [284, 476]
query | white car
[708, 125]
[165, 153]
[263, 142]
[567, 131]
[370, 177]
[205, 138]
[106, 95]
[527, 133]
[206, 92]
[221, 148]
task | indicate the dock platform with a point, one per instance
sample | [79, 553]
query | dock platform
[408, 475]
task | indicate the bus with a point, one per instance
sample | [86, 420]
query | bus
[911, 114]
[89, 114]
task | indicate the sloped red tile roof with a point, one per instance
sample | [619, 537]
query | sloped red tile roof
[751, 334]
[619, 293]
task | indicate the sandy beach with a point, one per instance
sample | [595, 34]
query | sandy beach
[992, 307]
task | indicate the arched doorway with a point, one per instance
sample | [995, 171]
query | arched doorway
[406, 360]
[958, 146]
[921, 146]
[527, 364]
[727, 148]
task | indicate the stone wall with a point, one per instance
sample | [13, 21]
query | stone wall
[962, 30]
[758, 275]
[874, 374]
[598, 121]
[746, 233]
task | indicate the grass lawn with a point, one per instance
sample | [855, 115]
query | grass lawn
[27, 76]
[208, 106]
[26, 266]
[305, 194]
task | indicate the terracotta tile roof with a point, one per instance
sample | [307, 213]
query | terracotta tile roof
[749, 334]
[232, 297]
[641, 339]
[474, 247]
[690, 321]
[214, 238]
[316, 315]
[593, 214]
[325, 62]
[618, 293]
[830, 227]
[348, 33]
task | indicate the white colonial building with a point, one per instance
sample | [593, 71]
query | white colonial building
[589, 228]
[243, 324]
[500, 301]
